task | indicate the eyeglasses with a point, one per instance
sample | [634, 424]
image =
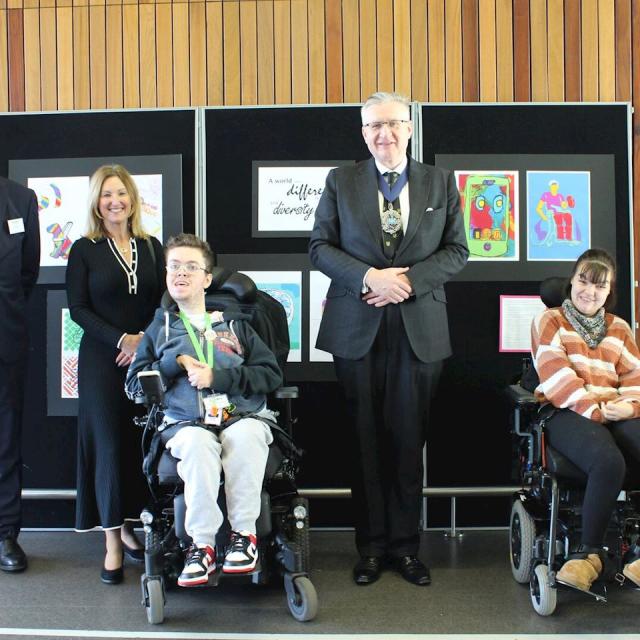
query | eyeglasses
[190, 267]
[394, 125]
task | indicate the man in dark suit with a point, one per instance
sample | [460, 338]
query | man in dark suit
[389, 234]
[19, 264]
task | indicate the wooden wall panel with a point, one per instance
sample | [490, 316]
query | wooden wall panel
[333, 22]
[351, 51]
[402, 46]
[198, 53]
[215, 55]
[470, 55]
[572, 51]
[64, 48]
[539, 57]
[231, 39]
[487, 49]
[266, 60]
[606, 50]
[436, 68]
[504, 49]
[4, 62]
[180, 22]
[115, 72]
[521, 51]
[98, 52]
[555, 50]
[81, 56]
[589, 32]
[300, 51]
[368, 31]
[317, 58]
[32, 60]
[623, 50]
[453, 50]
[78, 54]
[282, 41]
[248, 53]
[148, 58]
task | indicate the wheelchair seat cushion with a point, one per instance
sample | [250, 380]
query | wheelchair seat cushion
[561, 467]
[168, 466]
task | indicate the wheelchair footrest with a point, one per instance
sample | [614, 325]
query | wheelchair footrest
[600, 597]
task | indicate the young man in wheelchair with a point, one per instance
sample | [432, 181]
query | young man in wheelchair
[216, 372]
[589, 369]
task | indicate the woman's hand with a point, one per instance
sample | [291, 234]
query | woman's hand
[123, 360]
[614, 411]
[130, 343]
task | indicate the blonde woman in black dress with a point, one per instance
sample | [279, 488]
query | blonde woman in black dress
[115, 279]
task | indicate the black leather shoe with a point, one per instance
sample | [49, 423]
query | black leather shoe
[112, 576]
[12, 557]
[367, 570]
[413, 571]
[136, 555]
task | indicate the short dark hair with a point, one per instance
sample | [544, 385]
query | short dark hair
[596, 265]
[191, 240]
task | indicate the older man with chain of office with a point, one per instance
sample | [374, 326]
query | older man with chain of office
[389, 233]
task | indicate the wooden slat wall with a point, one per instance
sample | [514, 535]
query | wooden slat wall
[95, 54]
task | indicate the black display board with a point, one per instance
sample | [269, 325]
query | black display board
[469, 442]
[49, 449]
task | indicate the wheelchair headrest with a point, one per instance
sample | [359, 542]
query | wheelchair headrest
[552, 291]
[241, 286]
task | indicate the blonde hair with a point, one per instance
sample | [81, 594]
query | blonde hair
[95, 223]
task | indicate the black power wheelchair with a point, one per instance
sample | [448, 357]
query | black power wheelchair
[283, 524]
[546, 512]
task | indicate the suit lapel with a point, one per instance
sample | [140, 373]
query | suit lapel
[419, 189]
[367, 190]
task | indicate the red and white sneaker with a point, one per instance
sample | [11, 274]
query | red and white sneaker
[242, 553]
[199, 563]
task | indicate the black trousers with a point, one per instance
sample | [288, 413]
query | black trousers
[599, 451]
[11, 396]
[388, 394]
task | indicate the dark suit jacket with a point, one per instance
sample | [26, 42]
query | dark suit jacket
[19, 264]
[347, 240]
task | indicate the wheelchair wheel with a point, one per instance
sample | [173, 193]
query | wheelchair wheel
[302, 599]
[543, 595]
[521, 541]
[153, 599]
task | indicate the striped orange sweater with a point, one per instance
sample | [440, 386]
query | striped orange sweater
[576, 377]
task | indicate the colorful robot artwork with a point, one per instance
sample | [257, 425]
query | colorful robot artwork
[51, 198]
[488, 202]
[61, 241]
[556, 222]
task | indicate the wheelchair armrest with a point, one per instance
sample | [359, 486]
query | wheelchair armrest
[286, 393]
[520, 397]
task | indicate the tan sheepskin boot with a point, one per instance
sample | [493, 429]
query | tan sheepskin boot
[632, 571]
[582, 573]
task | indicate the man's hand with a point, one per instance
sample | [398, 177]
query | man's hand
[200, 375]
[386, 286]
[616, 410]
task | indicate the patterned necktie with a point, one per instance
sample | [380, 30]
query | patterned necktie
[391, 211]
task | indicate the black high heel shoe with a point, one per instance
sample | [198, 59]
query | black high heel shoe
[135, 555]
[112, 576]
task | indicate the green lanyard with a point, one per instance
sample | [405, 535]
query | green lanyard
[196, 343]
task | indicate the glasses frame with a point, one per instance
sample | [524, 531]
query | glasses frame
[189, 268]
[379, 124]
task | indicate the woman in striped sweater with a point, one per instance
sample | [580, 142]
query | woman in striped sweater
[589, 369]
